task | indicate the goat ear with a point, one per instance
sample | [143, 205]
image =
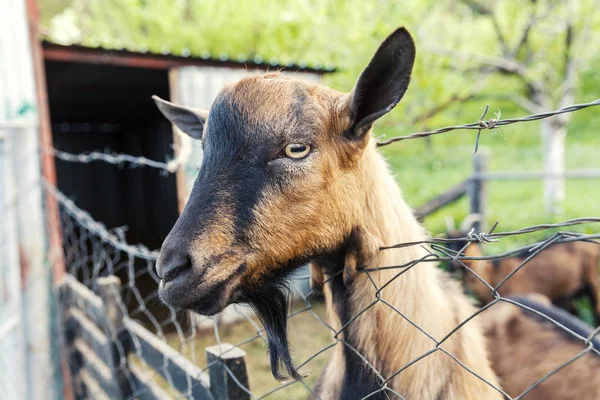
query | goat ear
[188, 120]
[382, 83]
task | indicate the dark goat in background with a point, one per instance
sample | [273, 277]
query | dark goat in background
[524, 347]
[562, 272]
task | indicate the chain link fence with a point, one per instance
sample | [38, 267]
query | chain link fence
[122, 342]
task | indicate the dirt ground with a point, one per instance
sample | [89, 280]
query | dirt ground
[307, 336]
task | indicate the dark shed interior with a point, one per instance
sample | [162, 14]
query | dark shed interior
[107, 108]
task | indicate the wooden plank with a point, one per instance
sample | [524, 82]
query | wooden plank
[96, 369]
[84, 329]
[228, 374]
[15, 124]
[78, 295]
[109, 289]
[173, 366]
[90, 360]
[92, 387]
[146, 388]
[12, 332]
[448, 197]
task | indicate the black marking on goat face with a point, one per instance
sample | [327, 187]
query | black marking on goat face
[235, 155]
[239, 147]
[217, 214]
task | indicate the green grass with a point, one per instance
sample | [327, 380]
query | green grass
[307, 337]
[424, 172]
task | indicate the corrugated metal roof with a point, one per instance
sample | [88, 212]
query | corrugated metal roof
[205, 56]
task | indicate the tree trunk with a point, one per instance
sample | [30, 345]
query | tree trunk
[554, 133]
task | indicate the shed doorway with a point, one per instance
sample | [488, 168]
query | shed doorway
[108, 108]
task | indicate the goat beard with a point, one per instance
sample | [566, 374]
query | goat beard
[270, 303]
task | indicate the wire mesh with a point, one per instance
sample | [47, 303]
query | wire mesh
[92, 251]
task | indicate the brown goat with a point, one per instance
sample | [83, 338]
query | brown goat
[291, 174]
[561, 272]
[524, 348]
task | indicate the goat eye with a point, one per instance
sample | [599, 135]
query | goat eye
[296, 150]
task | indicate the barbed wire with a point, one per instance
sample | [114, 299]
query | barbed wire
[491, 123]
[110, 158]
[85, 220]
[120, 159]
[491, 236]
[175, 164]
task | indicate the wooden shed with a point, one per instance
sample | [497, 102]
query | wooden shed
[100, 100]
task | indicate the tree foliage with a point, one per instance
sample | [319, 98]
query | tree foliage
[456, 40]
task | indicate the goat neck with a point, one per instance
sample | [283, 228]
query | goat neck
[384, 335]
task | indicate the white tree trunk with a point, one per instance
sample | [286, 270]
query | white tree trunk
[554, 133]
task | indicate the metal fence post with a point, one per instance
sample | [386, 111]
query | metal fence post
[476, 189]
[109, 289]
[228, 374]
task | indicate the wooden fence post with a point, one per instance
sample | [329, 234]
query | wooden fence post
[476, 189]
[109, 289]
[222, 384]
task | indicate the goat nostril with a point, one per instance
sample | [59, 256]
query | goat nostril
[172, 271]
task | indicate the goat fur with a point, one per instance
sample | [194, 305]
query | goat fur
[561, 272]
[524, 347]
[255, 215]
[424, 294]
